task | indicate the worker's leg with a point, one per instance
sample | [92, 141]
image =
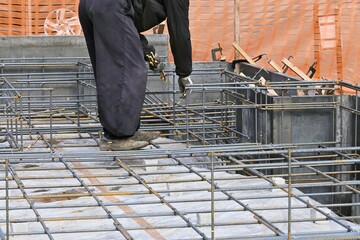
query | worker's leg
[88, 30]
[120, 67]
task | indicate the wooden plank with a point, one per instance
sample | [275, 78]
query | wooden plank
[295, 69]
[275, 65]
[262, 82]
[159, 29]
[243, 53]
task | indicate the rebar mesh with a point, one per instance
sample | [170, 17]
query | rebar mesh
[231, 163]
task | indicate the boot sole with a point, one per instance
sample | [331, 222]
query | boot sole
[147, 139]
[107, 147]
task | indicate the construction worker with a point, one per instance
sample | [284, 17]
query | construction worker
[149, 13]
[120, 71]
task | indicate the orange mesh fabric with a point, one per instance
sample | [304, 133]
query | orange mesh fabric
[323, 30]
[12, 18]
[212, 22]
[28, 17]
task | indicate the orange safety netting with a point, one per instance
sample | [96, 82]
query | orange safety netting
[325, 31]
[37, 17]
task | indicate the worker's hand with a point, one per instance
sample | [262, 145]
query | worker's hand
[154, 63]
[183, 83]
[151, 57]
[148, 50]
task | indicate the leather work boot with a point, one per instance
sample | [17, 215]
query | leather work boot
[122, 144]
[145, 135]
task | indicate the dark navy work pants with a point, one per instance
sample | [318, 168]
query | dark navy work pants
[118, 62]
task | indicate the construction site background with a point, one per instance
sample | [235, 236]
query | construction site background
[322, 31]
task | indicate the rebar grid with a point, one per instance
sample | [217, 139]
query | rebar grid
[214, 182]
[169, 191]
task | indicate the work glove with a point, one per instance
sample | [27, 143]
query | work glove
[148, 50]
[155, 64]
[151, 57]
[183, 82]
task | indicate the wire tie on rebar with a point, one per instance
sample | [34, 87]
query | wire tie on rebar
[212, 154]
[36, 140]
[257, 218]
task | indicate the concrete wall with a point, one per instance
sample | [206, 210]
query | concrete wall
[60, 46]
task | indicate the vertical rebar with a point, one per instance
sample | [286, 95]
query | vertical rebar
[266, 123]
[261, 119]
[187, 122]
[7, 199]
[6, 112]
[51, 118]
[334, 119]
[289, 193]
[341, 115]
[281, 121]
[17, 115]
[174, 102]
[356, 118]
[28, 100]
[212, 198]
[256, 117]
[21, 124]
[78, 102]
[223, 117]
[203, 116]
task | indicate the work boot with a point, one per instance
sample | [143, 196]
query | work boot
[145, 135]
[122, 144]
